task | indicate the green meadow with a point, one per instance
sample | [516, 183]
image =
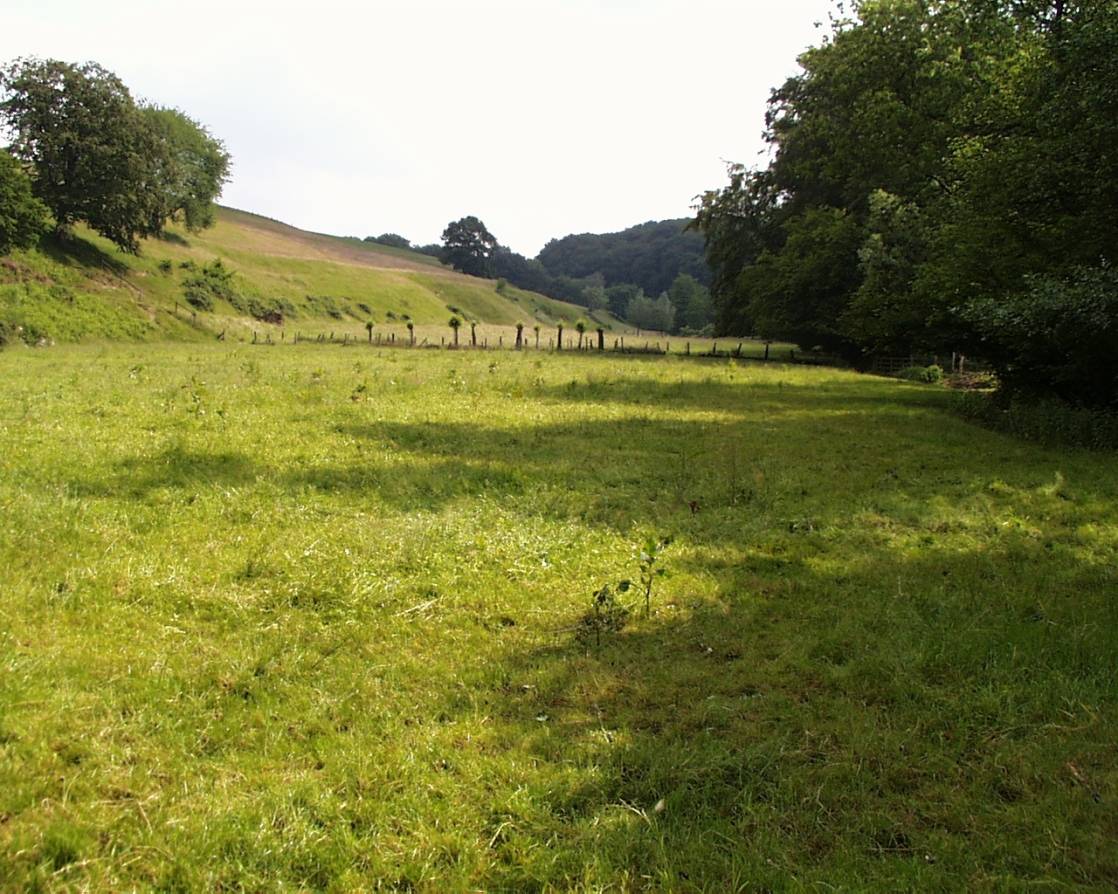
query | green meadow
[85, 290]
[323, 618]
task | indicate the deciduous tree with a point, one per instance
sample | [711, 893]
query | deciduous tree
[468, 246]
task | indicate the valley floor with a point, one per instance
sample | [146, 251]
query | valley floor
[323, 618]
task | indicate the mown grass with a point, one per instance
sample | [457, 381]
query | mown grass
[313, 618]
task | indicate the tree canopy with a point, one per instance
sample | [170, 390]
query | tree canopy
[194, 166]
[393, 240]
[468, 246]
[933, 164]
[650, 255]
[93, 155]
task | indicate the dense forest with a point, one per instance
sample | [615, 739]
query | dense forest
[944, 176]
[650, 255]
[654, 275]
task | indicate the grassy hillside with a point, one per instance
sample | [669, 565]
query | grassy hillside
[86, 290]
[321, 619]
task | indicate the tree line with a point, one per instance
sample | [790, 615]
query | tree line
[593, 271]
[81, 149]
[944, 176]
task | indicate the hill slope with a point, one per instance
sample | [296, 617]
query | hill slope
[306, 282]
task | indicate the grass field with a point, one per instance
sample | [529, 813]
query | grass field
[316, 618]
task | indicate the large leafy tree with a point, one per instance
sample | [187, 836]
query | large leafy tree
[691, 300]
[935, 160]
[468, 246]
[194, 166]
[96, 157]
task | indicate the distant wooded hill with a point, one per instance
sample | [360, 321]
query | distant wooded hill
[650, 255]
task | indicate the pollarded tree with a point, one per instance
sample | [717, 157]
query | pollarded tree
[468, 246]
[23, 218]
[455, 323]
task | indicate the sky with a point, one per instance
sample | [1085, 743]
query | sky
[541, 117]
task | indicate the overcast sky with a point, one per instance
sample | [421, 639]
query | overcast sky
[541, 117]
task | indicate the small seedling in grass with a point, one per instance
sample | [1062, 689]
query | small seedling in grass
[606, 612]
[650, 557]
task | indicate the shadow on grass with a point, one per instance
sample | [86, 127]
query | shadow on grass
[893, 711]
[854, 733]
[177, 468]
[741, 396]
[173, 239]
[425, 486]
[74, 251]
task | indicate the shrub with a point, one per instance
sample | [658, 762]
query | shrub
[928, 374]
[1047, 421]
[327, 305]
[1056, 338]
[23, 218]
[212, 282]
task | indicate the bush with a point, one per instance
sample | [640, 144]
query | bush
[327, 306]
[1055, 339]
[702, 332]
[929, 375]
[212, 282]
[267, 310]
[23, 218]
[1048, 421]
